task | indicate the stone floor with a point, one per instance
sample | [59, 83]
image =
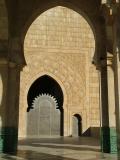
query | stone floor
[59, 149]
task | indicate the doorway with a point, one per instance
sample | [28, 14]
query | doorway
[77, 125]
[45, 108]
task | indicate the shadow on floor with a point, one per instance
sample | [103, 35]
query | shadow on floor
[32, 155]
[67, 147]
[58, 149]
[89, 141]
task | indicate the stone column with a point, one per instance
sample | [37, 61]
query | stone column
[11, 62]
[3, 95]
[117, 98]
[11, 111]
[110, 9]
[105, 133]
[116, 30]
[111, 104]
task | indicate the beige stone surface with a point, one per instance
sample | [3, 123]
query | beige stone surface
[60, 43]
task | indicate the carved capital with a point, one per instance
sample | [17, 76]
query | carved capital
[16, 52]
[109, 60]
[110, 10]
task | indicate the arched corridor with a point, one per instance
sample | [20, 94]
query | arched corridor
[56, 50]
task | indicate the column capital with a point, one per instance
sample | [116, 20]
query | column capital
[104, 62]
[112, 5]
[110, 59]
[110, 10]
[15, 50]
[99, 64]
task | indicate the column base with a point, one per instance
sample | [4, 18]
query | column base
[8, 140]
[108, 140]
[105, 139]
[113, 140]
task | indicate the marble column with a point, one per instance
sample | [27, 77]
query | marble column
[110, 11]
[11, 111]
[105, 132]
[116, 29]
[117, 97]
[3, 95]
[111, 103]
[11, 62]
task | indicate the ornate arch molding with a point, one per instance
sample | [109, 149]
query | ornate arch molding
[52, 76]
[90, 11]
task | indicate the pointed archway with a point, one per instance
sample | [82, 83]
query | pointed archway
[45, 108]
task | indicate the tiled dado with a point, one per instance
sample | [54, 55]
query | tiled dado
[8, 140]
[108, 140]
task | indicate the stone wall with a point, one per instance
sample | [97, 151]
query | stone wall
[60, 43]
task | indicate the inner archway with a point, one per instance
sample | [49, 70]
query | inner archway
[77, 125]
[63, 48]
[45, 108]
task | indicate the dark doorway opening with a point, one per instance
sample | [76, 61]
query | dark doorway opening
[77, 125]
[45, 108]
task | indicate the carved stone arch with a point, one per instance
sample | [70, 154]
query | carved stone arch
[45, 104]
[48, 66]
[45, 84]
[70, 5]
[49, 5]
[30, 81]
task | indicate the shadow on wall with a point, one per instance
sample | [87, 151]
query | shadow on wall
[93, 132]
[90, 132]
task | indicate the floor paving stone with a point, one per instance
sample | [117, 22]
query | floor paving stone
[83, 148]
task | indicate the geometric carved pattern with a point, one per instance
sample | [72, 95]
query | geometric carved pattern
[43, 97]
[44, 118]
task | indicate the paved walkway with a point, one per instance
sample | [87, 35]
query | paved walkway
[59, 149]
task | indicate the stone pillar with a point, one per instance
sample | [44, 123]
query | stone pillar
[110, 9]
[117, 98]
[11, 62]
[116, 30]
[11, 111]
[105, 132]
[111, 104]
[3, 95]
